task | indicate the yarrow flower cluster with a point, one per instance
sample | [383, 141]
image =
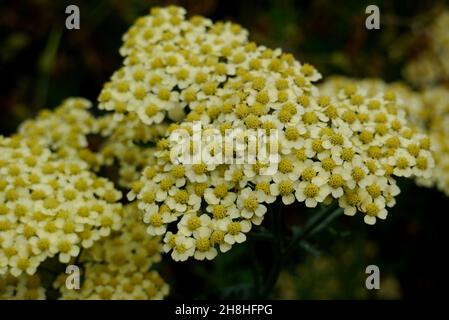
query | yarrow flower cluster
[211, 73]
[345, 146]
[431, 66]
[126, 145]
[72, 132]
[118, 267]
[65, 131]
[23, 287]
[435, 109]
[427, 111]
[49, 206]
[344, 142]
[384, 147]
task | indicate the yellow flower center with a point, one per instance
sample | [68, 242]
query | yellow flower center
[371, 209]
[193, 223]
[317, 145]
[181, 196]
[23, 263]
[402, 163]
[285, 187]
[309, 118]
[219, 211]
[291, 133]
[300, 154]
[263, 186]
[199, 168]
[307, 70]
[250, 203]
[151, 110]
[421, 163]
[234, 228]
[285, 166]
[366, 136]
[149, 197]
[166, 184]
[374, 152]
[64, 246]
[181, 248]
[156, 220]
[3, 209]
[140, 93]
[323, 101]
[217, 237]
[328, 164]
[284, 116]
[352, 198]
[252, 121]
[373, 190]
[357, 174]
[262, 97]
[5, 225]
[304, 100]
[308, 174]
[336, 181]
[69, 194]
[337, 139]
[221, 191]
[50, 203]
[237, 175]
[164, 94]
[311, 190]
[43, 244]
[11, 195]
[258, 83]
[203, 244]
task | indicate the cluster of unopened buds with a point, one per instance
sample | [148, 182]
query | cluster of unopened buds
[266, 134]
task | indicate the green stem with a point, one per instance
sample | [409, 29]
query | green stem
[280, 256]
[277, 252]
[260, 236]
[256, 267]
[322, 219]
[45, 66]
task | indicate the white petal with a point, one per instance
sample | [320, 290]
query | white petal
[369, 220]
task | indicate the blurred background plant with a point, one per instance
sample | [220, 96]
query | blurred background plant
[42, 63]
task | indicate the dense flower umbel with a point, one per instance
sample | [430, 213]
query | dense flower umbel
[24, 287]
[335, 143]
[427, 111]
[126, 145]
[431, 66]
[347, 146]
[435, 105]
[173, 65]
[384, 142]
[65, 131]
[116, 139]
[118, 267]
[49, 206]
[210, 73]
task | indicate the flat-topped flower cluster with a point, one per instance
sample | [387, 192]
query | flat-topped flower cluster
[119, 267]
[427, 111]
[430, 66]
[347, 146]
[49, 206]
[344, 142]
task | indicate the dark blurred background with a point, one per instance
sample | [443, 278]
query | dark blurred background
[41, 63]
